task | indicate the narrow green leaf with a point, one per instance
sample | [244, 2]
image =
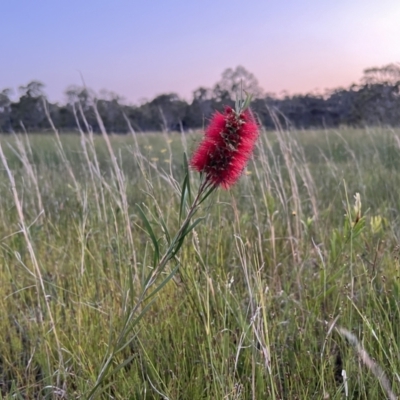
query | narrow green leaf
[148, 277]
[124, 364]
[207, 194]
[177, 246]
[186, 166]
[195, 223]
[185, 193]
[151, 234]
[132, 325]
[163, 283]
[247, 101]
[183, 197]
[179, 241]
[143, 265]
[96, 392]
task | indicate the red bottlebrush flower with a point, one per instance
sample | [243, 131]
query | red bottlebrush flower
[226, 147]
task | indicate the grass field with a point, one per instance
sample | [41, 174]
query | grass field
[287, 289]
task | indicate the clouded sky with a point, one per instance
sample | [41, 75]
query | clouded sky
[140, 49]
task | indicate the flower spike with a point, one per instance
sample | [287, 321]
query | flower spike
[227, 145]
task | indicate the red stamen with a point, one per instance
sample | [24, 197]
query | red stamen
[226, 147]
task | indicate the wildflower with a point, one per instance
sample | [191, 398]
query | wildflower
[376, 224]
[226, 147]
[357, 207]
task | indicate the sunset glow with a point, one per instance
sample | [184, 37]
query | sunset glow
[141, 49]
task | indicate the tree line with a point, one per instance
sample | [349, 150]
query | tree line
[374, 101]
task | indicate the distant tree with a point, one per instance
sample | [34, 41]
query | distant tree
[168, 110]
[200, 109]
[110, 111]
[29, 109]
[80, 94]
[233, 80]
[82, 99]
[387, 74]
[378, 103]
[376, 100]
[65, 118]
[340, 107]
[5, 110]
[202, 94]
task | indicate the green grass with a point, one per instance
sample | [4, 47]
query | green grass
[270, 286]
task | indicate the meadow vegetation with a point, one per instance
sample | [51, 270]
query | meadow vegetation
[288, 288]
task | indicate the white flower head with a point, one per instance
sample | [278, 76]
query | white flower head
[357, 205]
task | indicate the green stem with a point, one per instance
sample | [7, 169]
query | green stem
[179, 235]
[169, 254]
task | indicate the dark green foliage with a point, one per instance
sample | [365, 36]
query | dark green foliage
[373, 102]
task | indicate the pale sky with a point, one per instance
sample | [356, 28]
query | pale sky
[140, 49]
